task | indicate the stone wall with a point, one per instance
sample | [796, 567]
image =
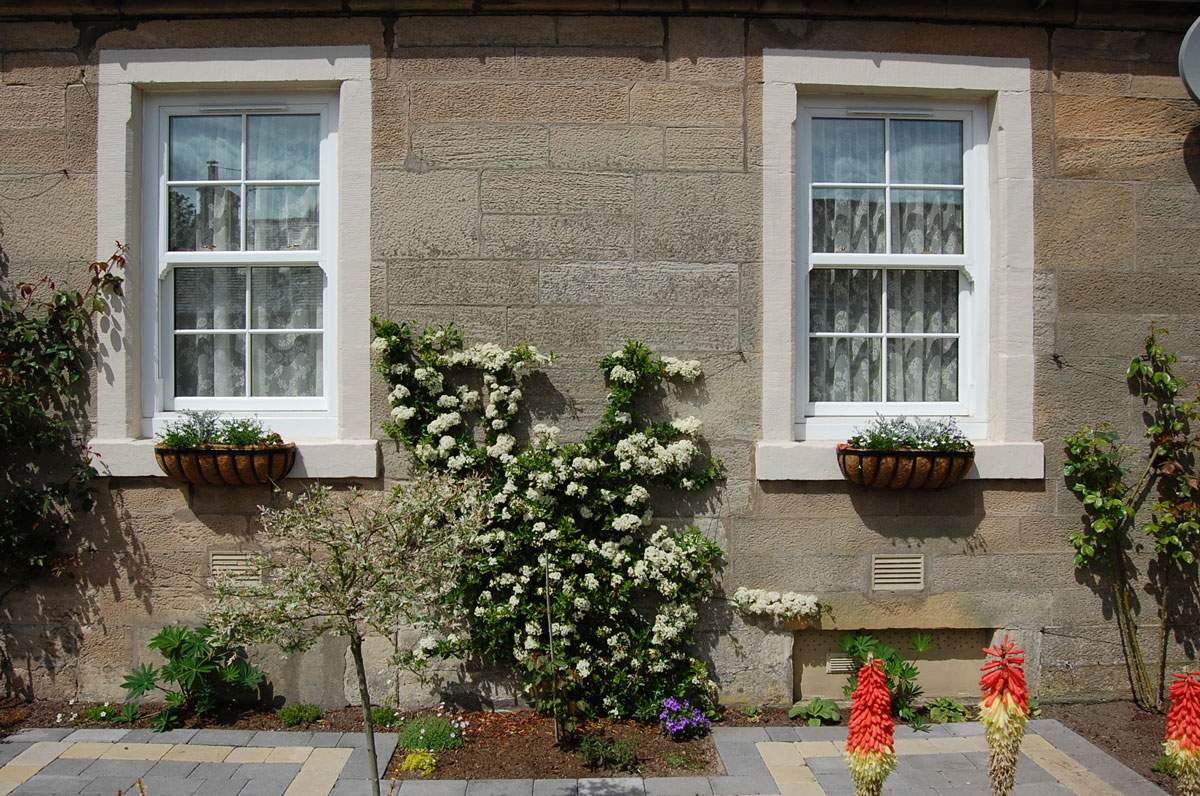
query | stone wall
[573, 181]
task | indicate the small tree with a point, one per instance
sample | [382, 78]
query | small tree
[351, 563]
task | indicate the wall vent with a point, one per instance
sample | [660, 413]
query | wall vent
[236, 565]
[839, 664]
[898, 572]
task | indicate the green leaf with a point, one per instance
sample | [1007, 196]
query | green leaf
[142, 679]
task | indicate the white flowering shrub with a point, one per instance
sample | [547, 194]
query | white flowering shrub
[782, 607]
[570, 561]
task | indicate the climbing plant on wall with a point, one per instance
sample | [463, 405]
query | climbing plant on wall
[572, 584]
[1096, 471]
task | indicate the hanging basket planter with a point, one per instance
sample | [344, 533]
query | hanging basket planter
[903, 469]
[227, 465]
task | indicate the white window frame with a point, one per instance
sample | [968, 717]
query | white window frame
[334, 439]
[837, 420]
[999, 414]
[158, 353]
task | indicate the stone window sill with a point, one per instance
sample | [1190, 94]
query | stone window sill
[353, 458]
[814, 460]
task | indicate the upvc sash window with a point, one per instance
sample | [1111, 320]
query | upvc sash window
[891, 235]
[243, 229]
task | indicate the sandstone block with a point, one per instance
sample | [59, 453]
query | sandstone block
[81, 120]
[1125, 117]
[674, 329]
[1107, 290]
[707, 49]
[467, 282]
[590, 63]
[247, 32]
[389, 124]
[1116, 45]
[1167, 205]
[425, 214]
[475, 145]
[682, 103]
[32, 150]
[474, 30]
[754, 131]
[18, 36]
[1151, 79]
[750, 307]
[556, 237]
[699, 217]
[560, 329]
[1017, 498]
[520, 102]
[41, 226]
[821, 499]
[624, 147]
[451, 63]
[24, 107]
[1062, 208]
[558, 192]
[1166, 248]
[603, 31]
[478, 324]
[1083, 77]
[649, 283]
[42, 67]
[705, 148]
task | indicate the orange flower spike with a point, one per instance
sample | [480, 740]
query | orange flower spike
[1183, 732]
[870, 747]
[1003, 711]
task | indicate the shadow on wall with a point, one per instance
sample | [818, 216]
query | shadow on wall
[1191, 155]
[43, 622]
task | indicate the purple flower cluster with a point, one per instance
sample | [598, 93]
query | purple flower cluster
[682, 721]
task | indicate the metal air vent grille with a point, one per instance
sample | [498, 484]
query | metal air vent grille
[235, 565]
[839, 664]
[898, 572]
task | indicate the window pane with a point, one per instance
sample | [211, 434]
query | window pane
[848, 220]
[204, 219]
[210, 364]
[205, 148]
[210, 298]
[927, 152]
[845, 300]
[283, 147]
[922, 301]
[286, 297]
[286, 364]
[927, 222]
[281, 217]
[844, 369]
[847, 150]
[922, 370]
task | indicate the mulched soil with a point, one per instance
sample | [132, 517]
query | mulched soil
[520, 744]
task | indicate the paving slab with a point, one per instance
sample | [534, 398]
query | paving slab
[434, 787]
[611, 786]
[96, 736]
[555, 787]
[10, 750]
[280, 738]
[677, 786]
[33, 735]
[150, 736]
[500, 787]
[220, 787]
[222, 737]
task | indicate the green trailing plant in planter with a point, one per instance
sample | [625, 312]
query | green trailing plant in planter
[898, 453]
[202, 448]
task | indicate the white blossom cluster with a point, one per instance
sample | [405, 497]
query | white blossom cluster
[779, 606]
[688, 370]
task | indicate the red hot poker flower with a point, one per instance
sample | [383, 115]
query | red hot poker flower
[1004, 676]
[1183, 720]
[870, 747]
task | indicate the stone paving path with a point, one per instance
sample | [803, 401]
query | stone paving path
[950, 760]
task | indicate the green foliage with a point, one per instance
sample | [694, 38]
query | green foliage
[383, 716]
[1035, 707]
[1165, 765]
[195, 672]
[432, 733]
[421, 762]
[46, 334]
[99, 713]
[817, 712]
[752, 711]
[600, 752]
[901, 674]
[900, 433]
[947, 710]
[570, 572]
[127, 714]
[299, 713]
[684, 761]
[201, 429]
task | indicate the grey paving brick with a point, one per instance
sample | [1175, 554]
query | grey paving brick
[727, 786]
[10, 750]
[741, 758]
[441, 787]
[782, 734]
[611, 786]
[118, 768]
[1042, 789]
[220, 787]
[170, 786]
[964, 778]
[324, 739]
[96, 736]
[172, 768]
[109, 785]
[68, 767]
[357, 787]
[677, 786]
[826, 765]
[268, 770]
[215, 770]
[222, 737]
[280, 738]
[500, 787]
[150, 736]
[821, 733]
[946, 762]
[35, 734]
[743, 734]
[964, 730]
[51, 783]
[555, 787]
[356, 765]
[265, 787]
[1028, 772]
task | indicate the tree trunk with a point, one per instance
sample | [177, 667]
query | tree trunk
[368, 729]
